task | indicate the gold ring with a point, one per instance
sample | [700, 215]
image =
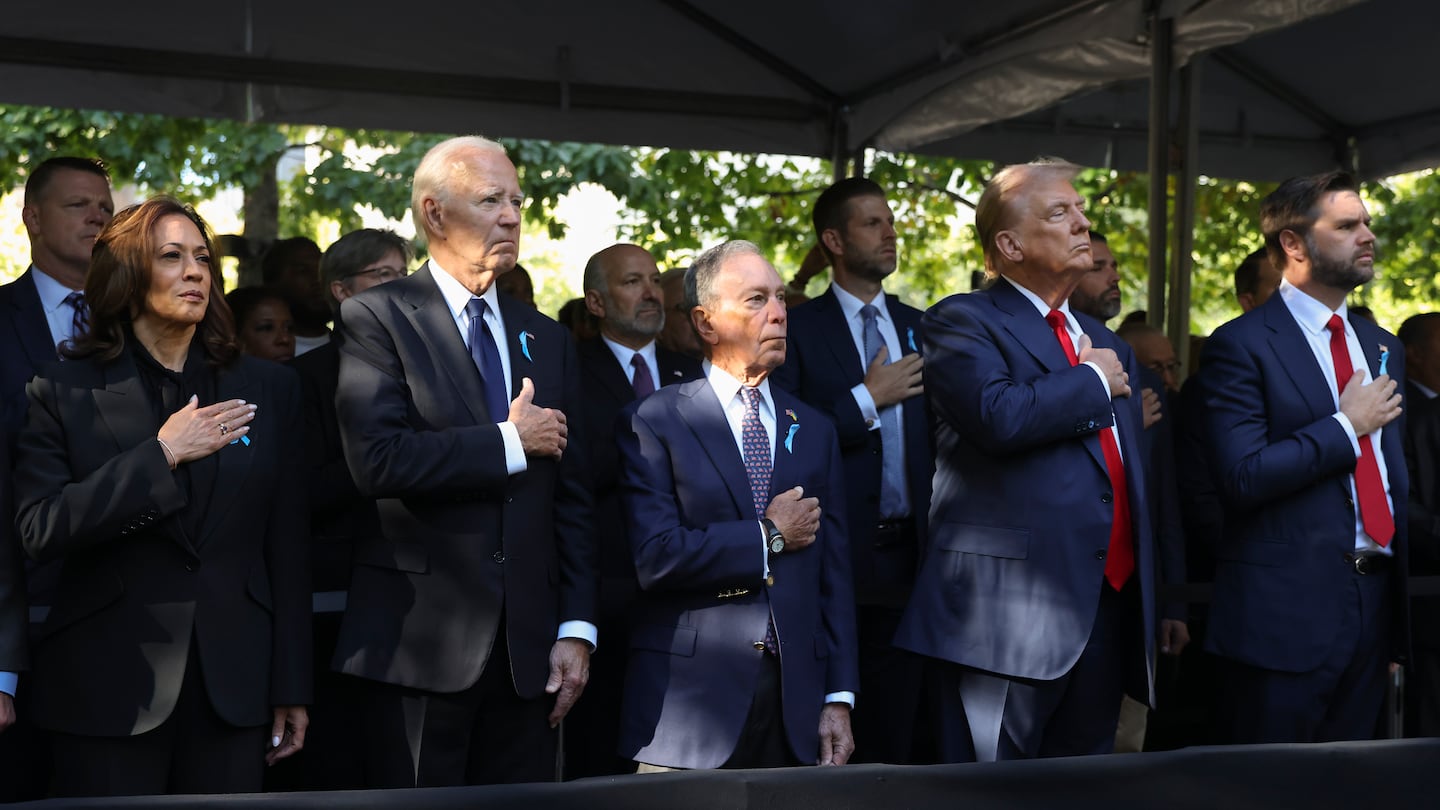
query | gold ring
[224, 429]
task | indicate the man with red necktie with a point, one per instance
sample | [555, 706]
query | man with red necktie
[1301, 402]
[1037, 589]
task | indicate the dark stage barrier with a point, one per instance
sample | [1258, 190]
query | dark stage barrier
[1390, 774]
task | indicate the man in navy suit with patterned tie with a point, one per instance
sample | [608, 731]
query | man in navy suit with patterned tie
[1301, 409]
[1037, 592]
[854, 353]
[742, 654]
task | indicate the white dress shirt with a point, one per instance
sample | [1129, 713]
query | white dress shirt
[623, 355]
[1312, 316]
[732, 401]
[456, 298]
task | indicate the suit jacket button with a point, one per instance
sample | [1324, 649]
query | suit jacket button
[191, 567]
[510, 500]
[1100, 555]
[1106, 498]
[759, 645]
[498, 556]
[1348, 557]
[1349, 502]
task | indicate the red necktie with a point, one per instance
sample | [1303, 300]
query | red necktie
[1120, 560]
[1369, 491]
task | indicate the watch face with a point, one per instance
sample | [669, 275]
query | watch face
[777, 545]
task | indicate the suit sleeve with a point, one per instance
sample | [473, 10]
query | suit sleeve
[669, 554]
[287, 560]
[57, 515]
[837, 586]
[577, 544]
[1252, 467]
[390, 449]
[14, 621]
[969, 384]
[1169, 528]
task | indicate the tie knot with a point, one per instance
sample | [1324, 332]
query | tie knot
[637, 360]
[869, 312]
[1335, 325]
[75, 299]
[476, 308]
[752, 398]
[1056, 319]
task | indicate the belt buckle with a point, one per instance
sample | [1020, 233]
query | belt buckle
[888, 533]
[1363, 565]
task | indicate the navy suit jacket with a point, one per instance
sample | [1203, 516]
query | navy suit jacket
[463, 541]
[1021, 515]
[25, 344]
[1283, 464]
[821, 366]
[697, 545]
[1422, 455]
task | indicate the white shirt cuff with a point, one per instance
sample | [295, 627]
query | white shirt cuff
[765, 551]
[868, 411]
[8, 680]
[1105, 381]
[585, 631]
[1349, 431]
[514, 451]
[848, 698]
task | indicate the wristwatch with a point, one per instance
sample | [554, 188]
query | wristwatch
[774, 540]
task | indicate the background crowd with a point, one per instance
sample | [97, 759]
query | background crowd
[701, 523]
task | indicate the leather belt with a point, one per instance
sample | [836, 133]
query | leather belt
[894, 532]
[1370, 564]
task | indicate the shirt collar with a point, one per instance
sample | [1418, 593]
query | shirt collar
[726, 386]
[52, 293]
[1044, 309]
[1308, 311]
[851, 305]
[457, 296]
[623, 354]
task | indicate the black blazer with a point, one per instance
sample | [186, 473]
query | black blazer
[821, 366]
[93, 489]
[25, 343]
[1422, 456]
[14, 645]
[607, 389]
[463, 540]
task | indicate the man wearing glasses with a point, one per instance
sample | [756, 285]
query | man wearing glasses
[339, 515]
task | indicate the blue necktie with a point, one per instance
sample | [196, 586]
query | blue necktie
[755, 445]
[487, 359]
[894, 498]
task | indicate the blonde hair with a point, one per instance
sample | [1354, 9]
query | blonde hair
[995, 211]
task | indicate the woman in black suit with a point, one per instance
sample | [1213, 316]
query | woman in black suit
[165, 470]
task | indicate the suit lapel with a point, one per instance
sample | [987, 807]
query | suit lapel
[1288, 341]
[126, 412]
[701, 411]
[30, 322]
[907, 326]
[1028, 326]
[787, 459]
[598, 360]
[234, 458]
[675, 367]
[431, 317]
[526, 354]
[831, 318]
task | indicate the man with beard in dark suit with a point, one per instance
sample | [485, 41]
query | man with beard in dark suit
[854, 353]
[620, 365]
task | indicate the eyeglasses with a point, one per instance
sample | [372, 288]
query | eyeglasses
[383, 274]
[1160, 368]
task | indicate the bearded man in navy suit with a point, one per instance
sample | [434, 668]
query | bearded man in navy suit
[742, 654]
[1301, 410]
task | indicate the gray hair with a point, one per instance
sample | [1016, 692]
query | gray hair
[700, 277]
[441, 165]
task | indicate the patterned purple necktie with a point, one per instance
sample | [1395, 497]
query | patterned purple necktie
[642, 383]
[80, 320]
[755, 446]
